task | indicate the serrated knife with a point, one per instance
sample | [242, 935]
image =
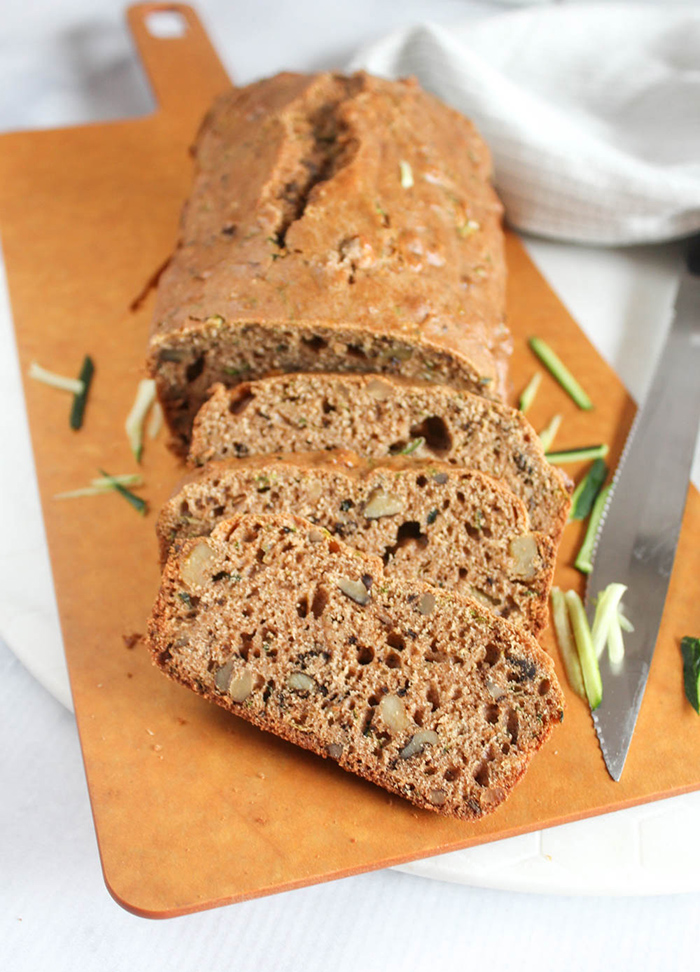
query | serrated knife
[637, 539]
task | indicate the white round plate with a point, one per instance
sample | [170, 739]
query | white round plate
[623, 299]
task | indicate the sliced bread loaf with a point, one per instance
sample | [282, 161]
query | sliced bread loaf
[452, 527]
[335, 224]
[378, 416]
[416, 689]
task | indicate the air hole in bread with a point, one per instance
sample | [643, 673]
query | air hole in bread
[491, 713]
[238, 404]
[355, 351]
[462, 573]
[410, 531]
[435, 432]
[452, 773]
[492, 655]
[194, 370]
[392, 660]
[327, 407]
[374, 700]
[320, 602]
[315, 343]
[513, 726]
[333, 546]
[482, 774]
[394, 640]
[418, 717]
[246, 645]
[435, 655]
[184, 508]
[367, 722]
[407, 533]
[457, 694]
[422, 482]
[544, 686]
[365, 654]
[433, 696]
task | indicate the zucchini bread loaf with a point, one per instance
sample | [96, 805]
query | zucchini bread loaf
[378, 416]
[335, 224]
[451, 527]
[414, 688]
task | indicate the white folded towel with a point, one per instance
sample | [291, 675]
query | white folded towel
[592, 112]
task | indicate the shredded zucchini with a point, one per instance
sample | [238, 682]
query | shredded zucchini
[140, 505]
[100, 486]
[586, 653]
[548, 434]
[606, 622]
[529, 392]
[145, 396]
[77, 412]
[406, 173]
[578, 455]
[585, 493]
[625, 622]
[73, 385]
[560, 372]
[583, 561]
[565, 640]
[690, 649]
[413, 446]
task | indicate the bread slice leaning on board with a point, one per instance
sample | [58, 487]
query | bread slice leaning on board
[417, 689]
[452, 527]
[342, 224]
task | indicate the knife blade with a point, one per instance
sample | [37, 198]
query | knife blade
[638, 535]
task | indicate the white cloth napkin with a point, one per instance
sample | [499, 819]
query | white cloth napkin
[592, 112]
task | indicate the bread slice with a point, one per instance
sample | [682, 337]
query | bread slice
[417, 689]
[305, 248]
[378, 416]
[451, 527]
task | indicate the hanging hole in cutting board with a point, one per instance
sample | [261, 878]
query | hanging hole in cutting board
[166, 24]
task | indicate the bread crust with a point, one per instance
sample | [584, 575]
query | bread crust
[304, 248]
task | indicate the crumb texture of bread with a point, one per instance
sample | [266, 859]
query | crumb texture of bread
[419, 690]
[335, 224]
[455, 528]
[380, 416]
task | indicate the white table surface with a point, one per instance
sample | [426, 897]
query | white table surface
[71, 62]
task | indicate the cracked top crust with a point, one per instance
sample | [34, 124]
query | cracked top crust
[351, 203]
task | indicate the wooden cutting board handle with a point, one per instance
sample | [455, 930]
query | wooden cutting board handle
[181, 69]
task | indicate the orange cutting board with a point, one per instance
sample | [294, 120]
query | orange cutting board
[194, 808]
